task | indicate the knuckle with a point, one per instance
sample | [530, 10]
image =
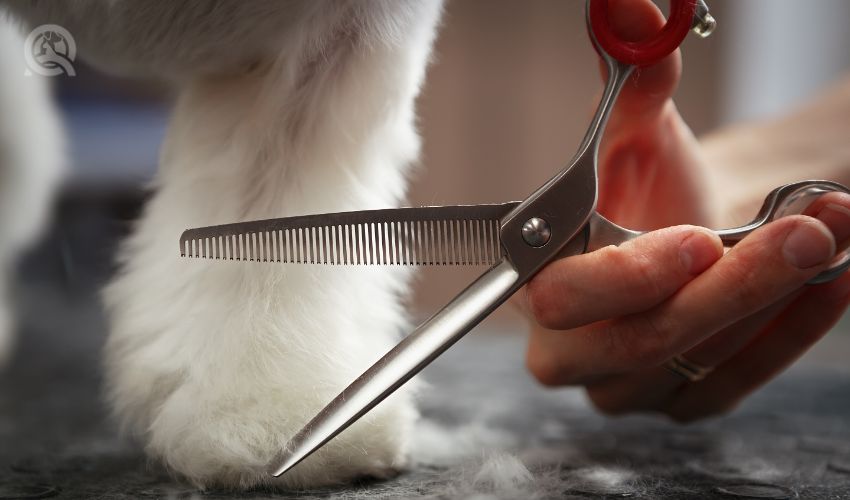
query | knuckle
[647, 280]
[747, 290]
[640, 342]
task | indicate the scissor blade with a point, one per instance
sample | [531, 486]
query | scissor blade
[464, 234]
[404, 361]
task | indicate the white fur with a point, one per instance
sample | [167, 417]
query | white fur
[31, 161]
[284, 108]
[504, 473]
[216, 365]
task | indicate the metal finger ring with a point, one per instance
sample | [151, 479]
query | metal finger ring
[687, 369]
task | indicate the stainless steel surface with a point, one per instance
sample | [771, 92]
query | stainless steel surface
[603, 233]
[536, 232]
[466, 234]
[404, 361]
[785, 200]
[565, 202]
[568, 199]
[556, 220]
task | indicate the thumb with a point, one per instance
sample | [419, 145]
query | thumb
[648, 160]
[649, 88]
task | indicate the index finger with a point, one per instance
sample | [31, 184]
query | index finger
[617, 281]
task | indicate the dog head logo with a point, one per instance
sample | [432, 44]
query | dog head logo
[50, 50]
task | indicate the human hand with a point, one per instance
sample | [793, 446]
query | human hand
[610, 319]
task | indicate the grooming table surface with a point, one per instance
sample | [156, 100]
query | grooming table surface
[791, 440]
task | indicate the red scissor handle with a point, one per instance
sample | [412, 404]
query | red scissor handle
[649, 51]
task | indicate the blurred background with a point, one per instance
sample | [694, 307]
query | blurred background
[506, 102]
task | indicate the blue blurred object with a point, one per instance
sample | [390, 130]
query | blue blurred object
[113, 144]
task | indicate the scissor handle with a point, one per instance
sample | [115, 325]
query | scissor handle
[646, 52]
[789, 199]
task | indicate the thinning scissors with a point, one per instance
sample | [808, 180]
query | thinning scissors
[517, 239]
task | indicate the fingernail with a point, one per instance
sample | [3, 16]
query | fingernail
[808, 245]
[837, 219]
[698, 251]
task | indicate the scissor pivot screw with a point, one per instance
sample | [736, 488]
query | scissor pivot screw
[536, 232]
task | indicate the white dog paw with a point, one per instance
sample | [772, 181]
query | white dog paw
[217, 439]
[217, 365]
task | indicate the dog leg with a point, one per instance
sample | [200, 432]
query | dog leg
[216, 364]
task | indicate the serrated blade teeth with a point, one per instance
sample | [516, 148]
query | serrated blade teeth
[405, 242]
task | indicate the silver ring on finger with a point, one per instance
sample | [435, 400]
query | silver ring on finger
[687, 369]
